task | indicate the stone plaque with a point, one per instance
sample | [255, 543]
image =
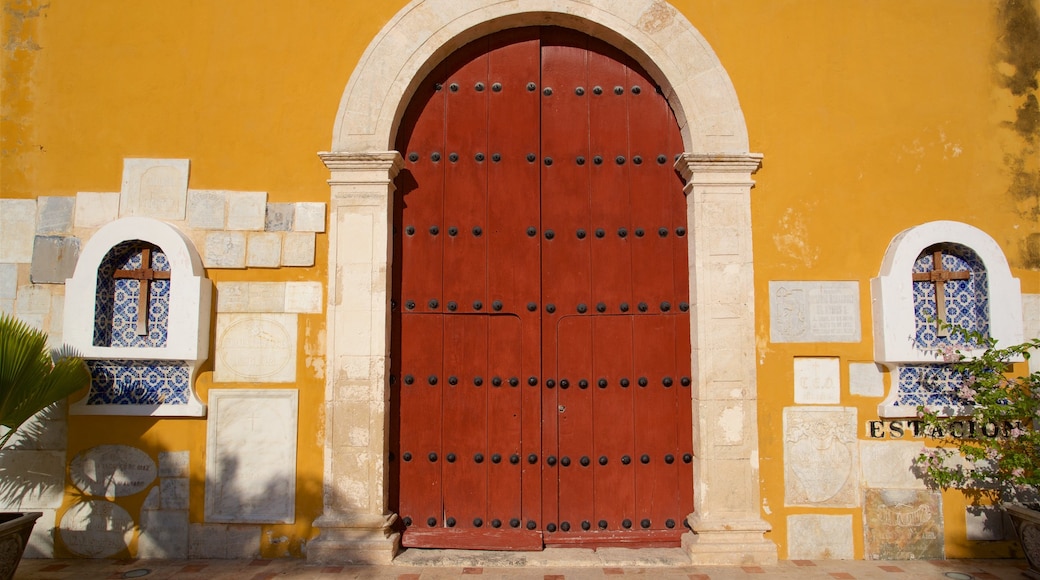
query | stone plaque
[817, 380]
[866, 379]
[112, 471]
[18, 224]
[96, 529]
[155, 188]
[820, 457]
[251, 456]
[890, 464]
[94, 210]
[54, 215]
[814, 312]
[54, 259]
[206, 209]
[819, 537]
[902, 524]
[256, 348]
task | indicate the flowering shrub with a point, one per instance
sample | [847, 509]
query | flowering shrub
[1001, 458]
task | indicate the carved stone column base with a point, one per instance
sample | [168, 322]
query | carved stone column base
[354, 540]
[729, 543]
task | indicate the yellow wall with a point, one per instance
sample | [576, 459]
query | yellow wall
[873, 116]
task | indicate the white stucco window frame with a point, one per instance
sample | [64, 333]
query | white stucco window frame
[189, 315]
[892, 300]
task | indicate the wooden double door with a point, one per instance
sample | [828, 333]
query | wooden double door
[540, 386]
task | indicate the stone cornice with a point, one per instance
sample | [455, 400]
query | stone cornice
[363, 167]
[690, 165]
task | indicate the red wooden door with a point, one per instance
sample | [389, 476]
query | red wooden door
[541, 339]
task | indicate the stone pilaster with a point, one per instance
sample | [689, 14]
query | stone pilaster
[726, 523]
[356, 524]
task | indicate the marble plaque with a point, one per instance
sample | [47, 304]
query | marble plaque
[819, 537]
[814, 312]
[303, 297]
[246, 210]
[890, 464]
[33, 479]
[96, 529]
[1031, 328]
[817, 380]
[256, 348]
[251, 456]
[264, 250]
[821, 457]
[54, 215]
[251, 296]
[164, 534]
[94, 210]
[225, 250]
[155, 188]
[866, 379]
[985, 523]
[18, 224]
[174, 463]
[206, 209]
[54, 259]
[279, 217]
[309, 217]
[298, 249]
[902, 524]
[112, 471]
[173, 493]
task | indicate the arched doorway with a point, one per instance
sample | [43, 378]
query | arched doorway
[541, 381]
[357, 524]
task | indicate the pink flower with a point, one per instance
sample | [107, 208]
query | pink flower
[1018, 472]
[949, 353]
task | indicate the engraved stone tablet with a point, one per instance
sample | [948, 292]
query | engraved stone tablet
[814, 312]
[820, 457]
[96, 529]
[256, 348]
[155, 188]
[817, 381]
[251, 456]
[819, 537]
[112, 471]
[902, 524]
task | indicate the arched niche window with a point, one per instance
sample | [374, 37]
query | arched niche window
[939, 271]
[137, 308]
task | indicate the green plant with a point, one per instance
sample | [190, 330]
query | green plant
[31, 377]
[997, 452]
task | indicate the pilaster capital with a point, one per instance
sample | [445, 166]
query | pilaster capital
[718, 168]
[351, 168]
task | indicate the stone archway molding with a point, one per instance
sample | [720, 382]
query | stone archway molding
[357, 526]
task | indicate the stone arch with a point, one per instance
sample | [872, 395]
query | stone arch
[356, 525]
[653, 32]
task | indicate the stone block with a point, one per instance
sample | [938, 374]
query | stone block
[54, 215]
[243, 542]
[817, 380]
[32, 479]
[94, 210]
[251, 456]
[264, 250]
[814, 312]
[207, 541]
[819, 537]
[256, 348]
[41, 542]
[174, 463]
[54, 259]
[225, 250]
[985, 523]
[96, 529]
[866, 379]
[890, 464]
[112, 471]
[18, 224]
[821, 457]
[164, 534]
[309, 217]
[279, 217]
[174, 493]
[246, 210]
[298, 249]
[32, 299]
[251, 297]
[155, 188]
[153, 501]
[902, 525]
[304, 297]
[8, 281]
[206, 209]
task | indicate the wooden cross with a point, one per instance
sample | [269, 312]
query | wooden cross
[144, 276]
[940, 277]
